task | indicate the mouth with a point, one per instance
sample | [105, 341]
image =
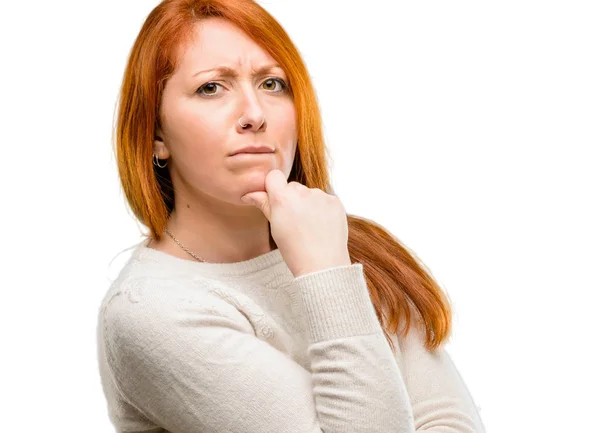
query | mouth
[251, 154]
[260, 150]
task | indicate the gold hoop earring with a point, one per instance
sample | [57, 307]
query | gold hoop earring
[155, 161]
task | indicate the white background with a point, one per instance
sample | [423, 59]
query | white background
[470, 130]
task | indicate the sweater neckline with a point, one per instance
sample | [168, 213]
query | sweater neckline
[235, 269]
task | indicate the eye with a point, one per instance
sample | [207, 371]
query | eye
[210, 89]
[208, 86]
[277, 80]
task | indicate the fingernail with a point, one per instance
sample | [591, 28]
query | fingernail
[246, 200]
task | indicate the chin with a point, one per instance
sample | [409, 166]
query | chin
[254, 182]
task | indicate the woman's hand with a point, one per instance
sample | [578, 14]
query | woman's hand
[308, 225]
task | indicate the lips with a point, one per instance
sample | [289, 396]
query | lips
[254, 149]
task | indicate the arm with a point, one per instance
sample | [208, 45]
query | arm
[198, 367]
[440, 399]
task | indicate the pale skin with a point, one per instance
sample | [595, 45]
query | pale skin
[199, 130]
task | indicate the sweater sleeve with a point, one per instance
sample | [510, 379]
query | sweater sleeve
[199, 367]
[440, 398]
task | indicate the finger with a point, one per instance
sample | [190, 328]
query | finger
[260, 199]
[275, 183]
[297, 185]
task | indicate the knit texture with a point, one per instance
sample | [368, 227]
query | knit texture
[190, 347]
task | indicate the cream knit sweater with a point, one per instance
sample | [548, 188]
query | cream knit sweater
[187, 346]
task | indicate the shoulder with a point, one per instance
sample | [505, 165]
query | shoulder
[144, 309]
[163, 294]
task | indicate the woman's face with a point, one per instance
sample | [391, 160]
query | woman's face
[199, 116]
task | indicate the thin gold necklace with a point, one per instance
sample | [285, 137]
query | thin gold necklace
[191, 253]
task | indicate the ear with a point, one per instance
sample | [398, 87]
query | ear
[159, 148]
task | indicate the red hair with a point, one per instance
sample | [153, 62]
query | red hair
[397, 281]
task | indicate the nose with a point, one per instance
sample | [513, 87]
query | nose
[252, 116]
[253, 125]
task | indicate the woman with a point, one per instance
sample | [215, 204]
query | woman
[256, 304]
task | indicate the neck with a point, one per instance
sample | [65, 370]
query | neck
[217, 232]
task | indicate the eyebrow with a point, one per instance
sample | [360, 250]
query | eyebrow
[230, 72]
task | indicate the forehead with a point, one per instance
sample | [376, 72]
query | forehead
[218, 42]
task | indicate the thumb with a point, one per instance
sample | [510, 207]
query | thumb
[260, 199]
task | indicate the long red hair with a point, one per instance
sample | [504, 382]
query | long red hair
[398, 282]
